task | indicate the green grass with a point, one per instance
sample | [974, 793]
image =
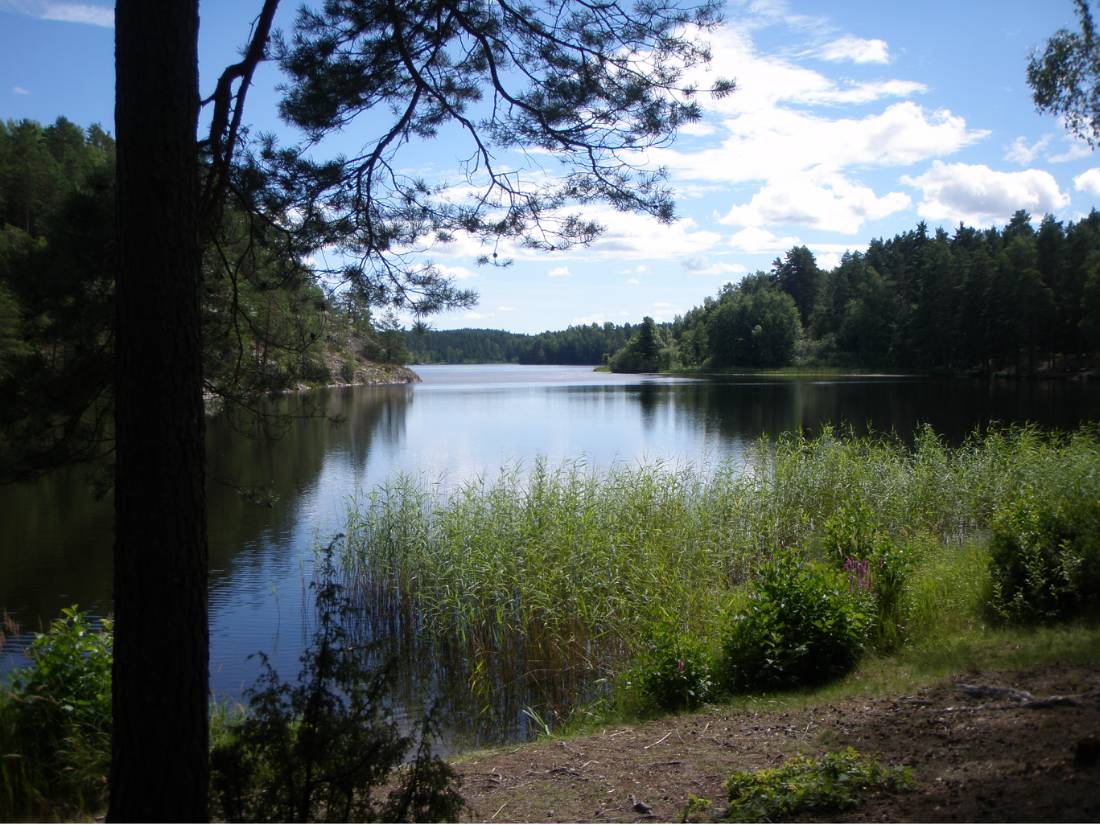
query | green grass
[575, 567]
[571, 556]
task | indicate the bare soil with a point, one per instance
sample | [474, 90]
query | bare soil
[974, 758]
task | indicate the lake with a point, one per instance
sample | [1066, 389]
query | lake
[272, 503]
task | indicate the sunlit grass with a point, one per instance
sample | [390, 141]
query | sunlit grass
[566, 570]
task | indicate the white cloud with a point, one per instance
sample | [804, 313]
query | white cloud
[664, 311]
[1023, 153]
[561, 272]
[856, 50]
[85, 13]
[80, 13]
[1088, 181]
[634, 236]
[755, 240]
[474, 315]
[698, 129]
[701, 265]
[626, 236]
[632, 282]
[1075, 151]
[785, 142]
[19, 90]
[980, 196]
[458, 273]
[765, 81]
[506, 309]
[828, 201]
[760, 241]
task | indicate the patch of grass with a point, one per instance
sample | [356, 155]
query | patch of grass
[573, 567]
[831, 783]
[932, 660]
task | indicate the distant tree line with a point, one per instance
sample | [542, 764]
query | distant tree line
[583, 344]
[1015, 299]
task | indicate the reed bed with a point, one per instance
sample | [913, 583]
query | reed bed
[580, 563]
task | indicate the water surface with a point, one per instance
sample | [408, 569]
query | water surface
[272, 503]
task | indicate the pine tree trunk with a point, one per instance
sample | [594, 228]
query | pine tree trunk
[159, 749]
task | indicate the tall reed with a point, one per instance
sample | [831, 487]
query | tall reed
[578, 563]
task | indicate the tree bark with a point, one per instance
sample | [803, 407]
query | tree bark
[159, 765]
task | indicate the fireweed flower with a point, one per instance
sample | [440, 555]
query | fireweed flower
[859, 573]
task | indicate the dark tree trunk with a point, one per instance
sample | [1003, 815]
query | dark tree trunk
[159, 749]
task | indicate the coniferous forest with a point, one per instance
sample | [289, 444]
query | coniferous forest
[267, 325]
[1015, 300]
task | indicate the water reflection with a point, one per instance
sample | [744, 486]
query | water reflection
[273, 502]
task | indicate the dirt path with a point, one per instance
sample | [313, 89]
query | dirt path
[974, 758]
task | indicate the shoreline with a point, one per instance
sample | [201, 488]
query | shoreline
[973, 759]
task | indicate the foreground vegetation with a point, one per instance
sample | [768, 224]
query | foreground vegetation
[817, 567]
[323, 748]
[679, 584]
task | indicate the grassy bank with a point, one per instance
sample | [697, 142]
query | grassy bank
[589, 571]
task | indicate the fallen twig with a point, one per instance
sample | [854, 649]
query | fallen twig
[658, 742]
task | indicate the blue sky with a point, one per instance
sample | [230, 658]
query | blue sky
[851, 121]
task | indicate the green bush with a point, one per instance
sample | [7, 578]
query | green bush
[55, 722]
[802, 626]
[674, 672]
[803, 785]
[1045, 551]
[319, 749]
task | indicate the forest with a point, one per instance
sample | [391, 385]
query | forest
[1015, 300]
[579, 344]
[268, 326]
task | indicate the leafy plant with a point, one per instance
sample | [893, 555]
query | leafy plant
[830, 783]
[1045, 550]
[317, 750]
[802, 626]
[55, 721]
[674, 671]
[696, 806]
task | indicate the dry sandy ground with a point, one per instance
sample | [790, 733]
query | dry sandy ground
[974, 758]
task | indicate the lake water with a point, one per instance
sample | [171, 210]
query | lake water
[272, 503]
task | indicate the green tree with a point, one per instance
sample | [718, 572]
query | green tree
[586, 81]
[757, 328]
[1065, 78]
[642, 352]
[797, 275]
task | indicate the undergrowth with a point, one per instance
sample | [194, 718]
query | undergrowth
[832, 783]
[55, 723]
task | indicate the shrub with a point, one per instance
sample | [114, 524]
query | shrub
[802, 627]
[802, 785]
[1045, 552]
[674, 672]
[318, 749]
[55, 723]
